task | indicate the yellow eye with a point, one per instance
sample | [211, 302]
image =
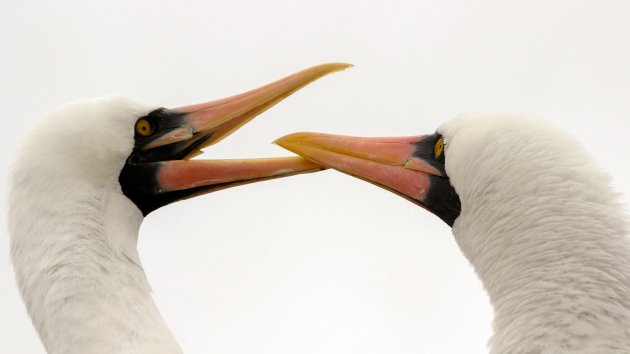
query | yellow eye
[438, 149]
[143, 127]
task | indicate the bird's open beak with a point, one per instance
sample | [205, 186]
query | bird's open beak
[404, 165]
[177, 135]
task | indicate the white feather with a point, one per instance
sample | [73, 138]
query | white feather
[545, 233]
[74, 234]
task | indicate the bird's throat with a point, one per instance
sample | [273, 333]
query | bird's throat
[87, 291]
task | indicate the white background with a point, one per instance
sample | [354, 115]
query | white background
[318, 263]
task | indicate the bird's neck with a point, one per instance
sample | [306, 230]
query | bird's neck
[557, 271]
[78, 270]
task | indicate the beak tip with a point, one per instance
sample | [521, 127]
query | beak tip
[328, 68]
[344, 66]
[288, 139]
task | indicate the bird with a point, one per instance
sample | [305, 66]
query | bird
[80, 187]
[531, 210]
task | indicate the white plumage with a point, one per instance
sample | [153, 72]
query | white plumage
[74, 234]
[545, 233]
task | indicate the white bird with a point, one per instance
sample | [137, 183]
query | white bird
[80, 187]
[529, 208]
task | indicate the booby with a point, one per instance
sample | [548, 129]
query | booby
[530, 209]
[80, 187]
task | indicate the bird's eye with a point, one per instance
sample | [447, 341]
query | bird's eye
[143, 127]
[438, 149]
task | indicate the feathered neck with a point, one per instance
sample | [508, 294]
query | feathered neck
[542, 228]
[77, 268]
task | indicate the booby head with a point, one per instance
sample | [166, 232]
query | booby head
[148, 149]
[529, 208]
[456, 167]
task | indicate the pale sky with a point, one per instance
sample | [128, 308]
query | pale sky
[319, 263]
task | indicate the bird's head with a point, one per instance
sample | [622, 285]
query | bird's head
[471, 163]
[147, 150]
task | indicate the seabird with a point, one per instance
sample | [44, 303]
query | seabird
[530, 209]
[80, 187]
